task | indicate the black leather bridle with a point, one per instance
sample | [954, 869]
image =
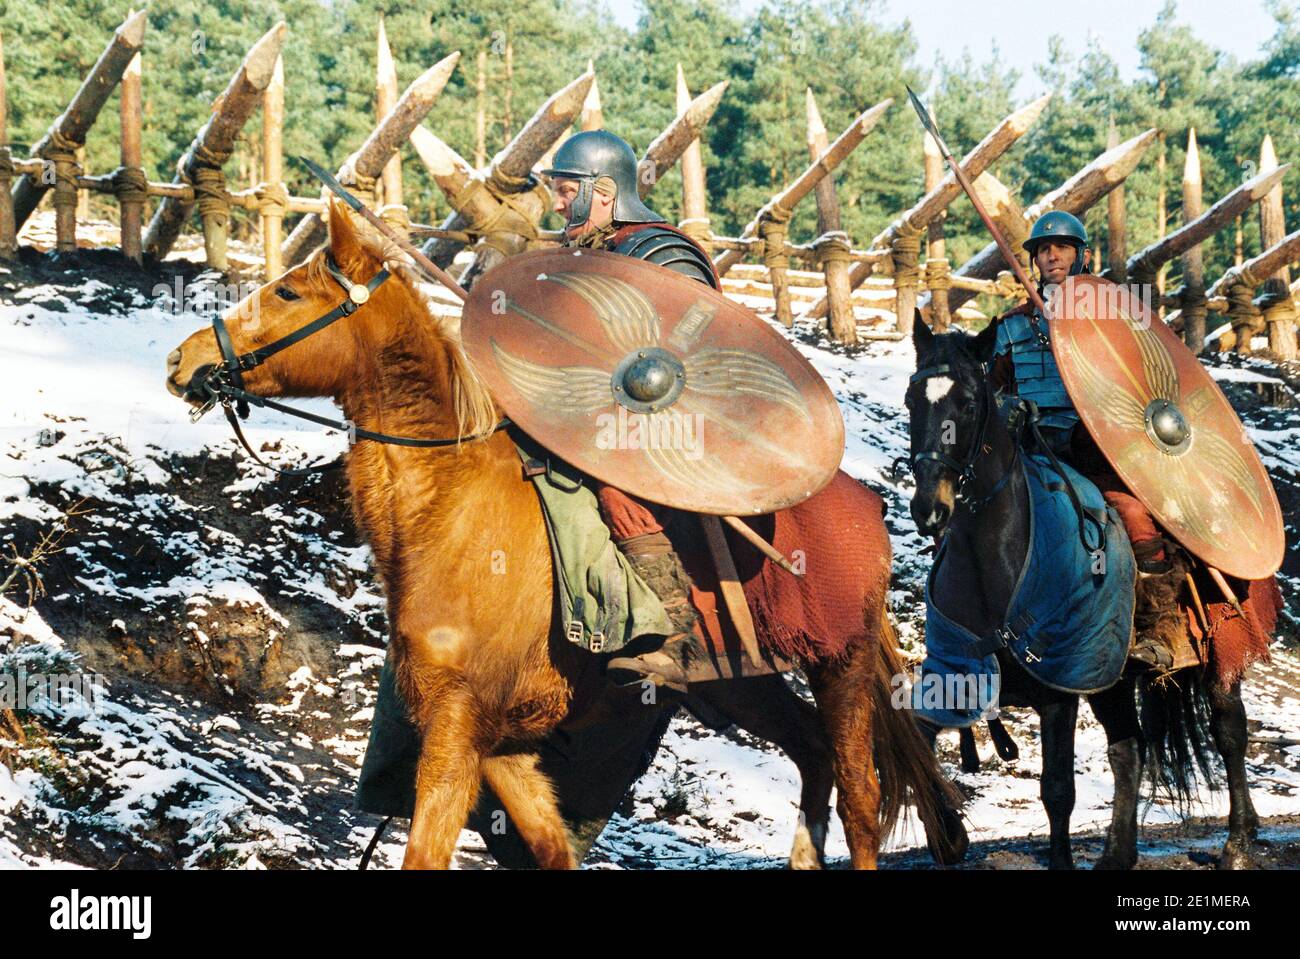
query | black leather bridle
[224, 384]
[1025, 417]
[965, 467]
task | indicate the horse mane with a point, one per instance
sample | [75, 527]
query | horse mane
[476, 413]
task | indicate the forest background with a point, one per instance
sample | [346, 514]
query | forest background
[846, 51]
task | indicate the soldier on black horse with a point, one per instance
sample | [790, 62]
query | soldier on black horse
[1024, 366]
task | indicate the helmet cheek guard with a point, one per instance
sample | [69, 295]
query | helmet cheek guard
[580, 208]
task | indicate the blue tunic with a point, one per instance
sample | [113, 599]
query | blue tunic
[1037, 377]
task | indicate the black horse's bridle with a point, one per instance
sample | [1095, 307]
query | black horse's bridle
[224, 384]
[965, 467]
[1026, 418]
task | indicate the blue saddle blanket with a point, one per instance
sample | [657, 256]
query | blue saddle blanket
[1070, 618]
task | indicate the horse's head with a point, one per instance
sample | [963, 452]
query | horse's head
[319, 365]
[945, 404]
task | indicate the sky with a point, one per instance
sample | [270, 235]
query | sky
[1021, 29]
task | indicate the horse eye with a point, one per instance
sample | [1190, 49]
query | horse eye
[284, 293]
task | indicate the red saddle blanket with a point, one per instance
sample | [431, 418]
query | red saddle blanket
[837, 538]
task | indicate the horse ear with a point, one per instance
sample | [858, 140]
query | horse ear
[922, 338]
[349, 252]
[983, 343]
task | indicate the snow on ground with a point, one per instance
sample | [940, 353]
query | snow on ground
[261, 772]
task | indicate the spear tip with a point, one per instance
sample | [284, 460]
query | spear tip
[926, 120]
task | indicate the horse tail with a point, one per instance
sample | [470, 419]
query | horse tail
[1174, 715]
[906, 766]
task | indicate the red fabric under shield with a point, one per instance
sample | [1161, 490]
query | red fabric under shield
[838, 537]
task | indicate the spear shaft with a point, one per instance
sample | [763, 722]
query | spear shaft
[406, 245]
[1003, 246]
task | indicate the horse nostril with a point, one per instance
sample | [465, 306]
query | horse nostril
[173, 362]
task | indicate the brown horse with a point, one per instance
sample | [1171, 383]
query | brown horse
[476, 656]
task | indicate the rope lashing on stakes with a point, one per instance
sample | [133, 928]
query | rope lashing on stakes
[906, 247]
[832, 248]
[130, 185]
[1245, 317]
[510, 215]
[938, 275]
[62, 152]
[272, 200]
[773, 229]
[209, 183]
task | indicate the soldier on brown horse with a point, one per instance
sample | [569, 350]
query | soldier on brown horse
[488, 679]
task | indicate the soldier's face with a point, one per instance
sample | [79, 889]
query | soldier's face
[602, 208]
[1055, 259]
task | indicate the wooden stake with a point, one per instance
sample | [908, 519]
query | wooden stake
[70, 129]
[1278, 307]
[917, 219]
[1075, 196]
[513, 164]
[509, 118]
[788, 198]
[130, 110]
[480, 122]
[273, 168]
[1193, 296]
[385, 101]
[695, 204]
[669, 146]
[828, 204]
[1144, 266]
[592, 116]
[360, 169]
[212, 146]
[8, 231]
[1116, 227]
[1161, 163]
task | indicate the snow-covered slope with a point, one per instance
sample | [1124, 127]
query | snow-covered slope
[241, 631]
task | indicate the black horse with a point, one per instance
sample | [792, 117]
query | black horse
[970, 493]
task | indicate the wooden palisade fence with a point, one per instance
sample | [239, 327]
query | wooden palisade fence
[497, 206]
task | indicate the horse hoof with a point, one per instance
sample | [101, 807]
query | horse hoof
[805, 855]
[1237, 856]
[955, 845]
[1111, 863]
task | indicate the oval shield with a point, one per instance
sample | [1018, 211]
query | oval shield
[652, 382]
[1166, 427]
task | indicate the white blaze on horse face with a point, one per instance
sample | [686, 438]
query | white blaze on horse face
[937, 387]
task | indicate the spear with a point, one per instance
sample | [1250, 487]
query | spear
[402, 242]
[1005, 247]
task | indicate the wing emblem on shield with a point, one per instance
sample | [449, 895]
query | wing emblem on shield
[653, 382]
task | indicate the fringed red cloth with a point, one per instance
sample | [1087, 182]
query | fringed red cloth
[837, 537]
[1237, 643]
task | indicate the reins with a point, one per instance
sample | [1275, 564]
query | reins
[224, 384]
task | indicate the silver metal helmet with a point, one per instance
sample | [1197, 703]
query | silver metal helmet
[590, 155]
